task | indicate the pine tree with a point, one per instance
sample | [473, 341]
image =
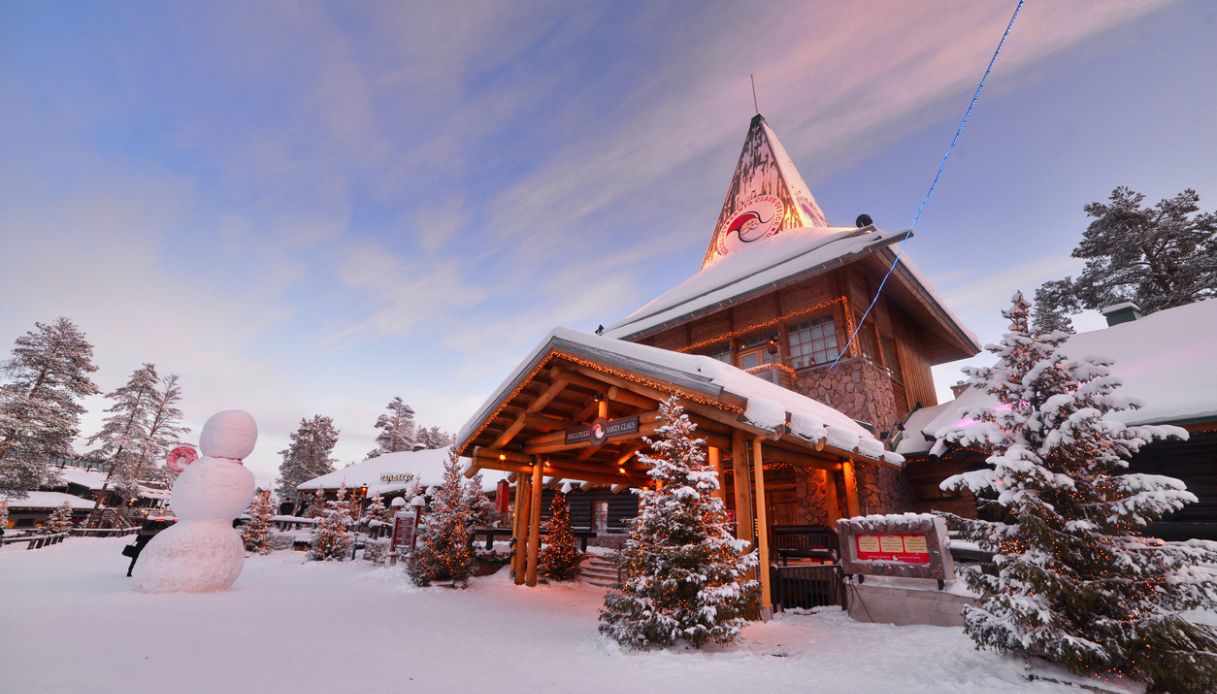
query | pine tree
[684, 575]
[559, 557]
[443, 552]
[477, 505]
[124, 434]
[316, 506]
[256, 533]
[1159, 257]
[1049, 316]
[1074, 580]
[377, 511]
[308, 455]
[397, 429]
[331, 542]
[61, 519]
[40, 406]
[165, 430]
[433, 437]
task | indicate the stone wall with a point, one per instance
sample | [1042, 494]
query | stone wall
[862, 389]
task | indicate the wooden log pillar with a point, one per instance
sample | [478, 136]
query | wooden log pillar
[602, 407]
[717, 465]
[831, 505]
[743, 500]
[534, 521]
[762, 530]
[519, 526]
[851, 489]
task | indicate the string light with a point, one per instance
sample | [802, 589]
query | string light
[723, 337]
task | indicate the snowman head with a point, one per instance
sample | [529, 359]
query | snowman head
[229, 434]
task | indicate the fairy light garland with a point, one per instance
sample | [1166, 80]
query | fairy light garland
[731, 334]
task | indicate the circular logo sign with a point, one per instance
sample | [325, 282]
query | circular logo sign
[599, 430]
[757, 219]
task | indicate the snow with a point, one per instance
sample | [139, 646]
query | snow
[1163, 359]
[780, 258]
[767, 403]
[49, 500]
[229, 434]
[93, 480]
[195, 556]
[376, 628]
[426, 465]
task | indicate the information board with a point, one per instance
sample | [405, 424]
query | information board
[906, 548]
[910, 545]
[404, 525]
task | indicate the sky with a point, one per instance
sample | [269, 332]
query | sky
[309, 208]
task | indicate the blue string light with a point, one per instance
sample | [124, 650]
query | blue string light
[934, 184]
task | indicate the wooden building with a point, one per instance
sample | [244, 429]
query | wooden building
[1165, 362]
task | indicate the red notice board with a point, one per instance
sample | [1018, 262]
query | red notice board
[911, 549]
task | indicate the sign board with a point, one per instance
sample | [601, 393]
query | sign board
[397, 477]
[601, 430]
[910, 545]
[404, 525]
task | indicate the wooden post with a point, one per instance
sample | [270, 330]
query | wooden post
[762, 530]
[521, 527]
[851, 489]
[534, 530]
[717, 466]
[743, 500]
[830, 497]
[602, 407]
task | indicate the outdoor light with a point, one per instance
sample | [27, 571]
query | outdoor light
[773, 345]
[502, 456]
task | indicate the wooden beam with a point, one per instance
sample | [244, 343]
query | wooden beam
[851, 489]
[510, 432]
[831, 505]
[618, 488]
[743, 500]
[625, 397]
[586, 453]
[717, 467]
[520, 529]
[541, 421]
[534, 530]
[758, 467]
[602, 407]
[556, 440]
[601, 474]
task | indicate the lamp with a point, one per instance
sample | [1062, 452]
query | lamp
[772, 348]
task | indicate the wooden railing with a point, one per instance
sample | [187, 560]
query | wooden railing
[35, 540]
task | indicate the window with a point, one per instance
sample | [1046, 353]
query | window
[754, 355]
[720, 352]
[813, 342]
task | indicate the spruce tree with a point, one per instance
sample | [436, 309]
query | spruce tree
[1159, 257]
[684, 577]
[256, 533]
[477, 505]
[1074, 580]
[559, 557]
[331, 542]
[377, 511]
[308, 455]
[40, 409]
[443, 551]
[124, 434]
[316, 506]
[61, 519]
[396, 429]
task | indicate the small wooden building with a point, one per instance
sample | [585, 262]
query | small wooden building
[579, 406]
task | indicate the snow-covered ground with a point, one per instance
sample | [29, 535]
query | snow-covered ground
[70, 621]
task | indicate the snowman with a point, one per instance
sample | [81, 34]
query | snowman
[202, 553]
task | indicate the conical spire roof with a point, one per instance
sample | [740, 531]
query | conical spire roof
[767, 196]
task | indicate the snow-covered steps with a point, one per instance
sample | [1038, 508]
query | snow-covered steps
[598, 571]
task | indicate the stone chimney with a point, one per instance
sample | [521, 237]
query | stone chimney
[959, 388]
[1124, 312]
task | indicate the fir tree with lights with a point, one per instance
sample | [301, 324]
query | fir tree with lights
[331, 541]
[316, 507]
[61, 519]
[377, 511]
[256, 533]
[480, 510]
[559, 558]
[1073, 579]
[685, 577]
[444, 552]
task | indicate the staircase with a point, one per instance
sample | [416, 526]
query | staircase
[599, 571]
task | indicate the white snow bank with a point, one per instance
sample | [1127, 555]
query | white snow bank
[49, 500]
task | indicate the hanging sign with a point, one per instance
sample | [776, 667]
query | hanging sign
[601, 430]
[500, 496]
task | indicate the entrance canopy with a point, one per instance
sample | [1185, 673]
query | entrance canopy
[580, 405]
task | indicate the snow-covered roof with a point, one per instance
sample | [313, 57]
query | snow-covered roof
[769, 406]
[383, 474]
[93, 480]
[1165, 360]
[49, 500]
[788, 256]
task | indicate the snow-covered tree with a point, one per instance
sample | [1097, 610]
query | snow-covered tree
[684, 577]
[1074, 580]
[165, 430]
[477, 505]
[443, 552]
[433, 437]
[560, 556]
[40, 408]
[61, 519]
[3, 514]
[256, 533]
[416, 491]
[1049, 316]
[377, 512]
[308, 454]
[396, 429]
[123, 438]
[331, 541]
[316, 505]
[1158, 257]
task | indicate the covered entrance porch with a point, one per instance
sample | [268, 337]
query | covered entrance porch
[578, 407]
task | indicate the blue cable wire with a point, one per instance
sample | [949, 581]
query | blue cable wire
[942, 165]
